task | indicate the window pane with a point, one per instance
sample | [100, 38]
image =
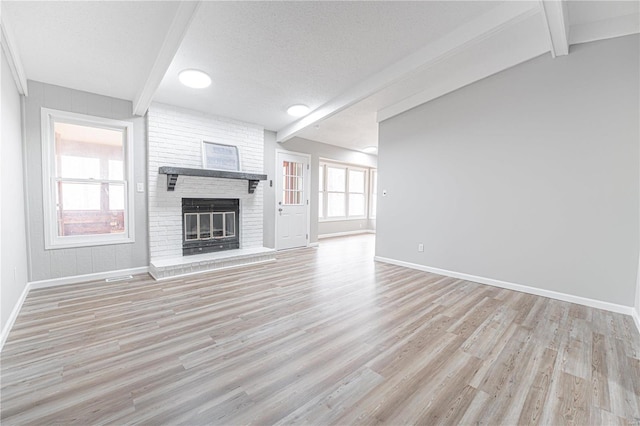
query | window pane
[336, 179]
[218, 231]
[88, 151]
[356, 204]
[230, 224]
[116, 170]
[321, 178]
[292, 182]
[191, 226]
[205, 226]
[320, 205]
[78, 196]
[79, 167]
[116, 196]
[335, 205]
[80, 212]
[356, 181]
[374, 182]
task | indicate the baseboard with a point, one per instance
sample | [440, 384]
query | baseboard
[607, 306]
[636, 318]
[14, 314]
[346, 233]
[316, 244]
[88, 277]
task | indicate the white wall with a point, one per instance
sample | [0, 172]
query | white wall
[175, 139]
[13, 250]
[50, 264]
[530, 176]
[317, 150]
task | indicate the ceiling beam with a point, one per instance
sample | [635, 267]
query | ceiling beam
[178, 29]
[556, 18]
[464, 36]
[10, 50]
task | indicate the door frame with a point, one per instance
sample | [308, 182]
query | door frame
[307, 190]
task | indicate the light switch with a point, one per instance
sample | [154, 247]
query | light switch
[140, 187]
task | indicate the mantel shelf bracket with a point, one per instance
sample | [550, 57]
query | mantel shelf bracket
[173, 173]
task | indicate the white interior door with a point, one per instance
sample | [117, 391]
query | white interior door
[292, 200]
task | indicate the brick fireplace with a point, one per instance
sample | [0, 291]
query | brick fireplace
[175, 137]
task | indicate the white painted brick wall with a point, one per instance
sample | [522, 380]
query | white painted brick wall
[175, 138]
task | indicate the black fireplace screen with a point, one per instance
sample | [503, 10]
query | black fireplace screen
[210, 224]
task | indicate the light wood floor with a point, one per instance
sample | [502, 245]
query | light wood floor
[322, 336]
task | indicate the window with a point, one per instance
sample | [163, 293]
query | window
[86, 172]
[342, 192]
[292, 179]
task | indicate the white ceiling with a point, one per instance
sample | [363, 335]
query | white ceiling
[106, 48]
[264, 57]
[353, 63]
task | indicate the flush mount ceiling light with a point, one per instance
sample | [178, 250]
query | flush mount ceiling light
[370, 149]
[298, 110]
[195, 79]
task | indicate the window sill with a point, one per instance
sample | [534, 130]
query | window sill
[84, 242]
[343, 219]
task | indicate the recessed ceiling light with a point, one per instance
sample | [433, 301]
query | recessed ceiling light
[195, 79]
[370, 149]
[298, 110]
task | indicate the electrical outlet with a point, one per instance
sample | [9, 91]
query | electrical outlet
[140, 187]
[420, 247]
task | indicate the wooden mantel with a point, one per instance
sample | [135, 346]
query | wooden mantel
[173, 173]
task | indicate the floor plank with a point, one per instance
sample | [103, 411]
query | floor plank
[321, 336]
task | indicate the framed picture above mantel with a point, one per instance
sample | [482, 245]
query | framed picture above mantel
[216, 156]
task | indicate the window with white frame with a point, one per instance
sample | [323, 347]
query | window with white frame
[87, 168]
[342, 192]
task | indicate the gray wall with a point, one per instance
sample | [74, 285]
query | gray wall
[269, 200]
[317, 151]
[13, 247]
[48, 264]
[530, 176]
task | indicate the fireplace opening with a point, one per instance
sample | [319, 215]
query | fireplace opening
[210, 224]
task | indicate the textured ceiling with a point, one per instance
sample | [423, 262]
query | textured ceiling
[106, 48]
[265, 56]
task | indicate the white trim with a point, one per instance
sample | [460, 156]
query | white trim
[76, 279]
[307, 190]
[605, 29]
[555, 16]
[51, 239]
[13, 56]
[463, 37]
[174, 36]
[346, 233]
[490, 29]
[14, 314]
[636, 318]
[598, 304]
[313, 245]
